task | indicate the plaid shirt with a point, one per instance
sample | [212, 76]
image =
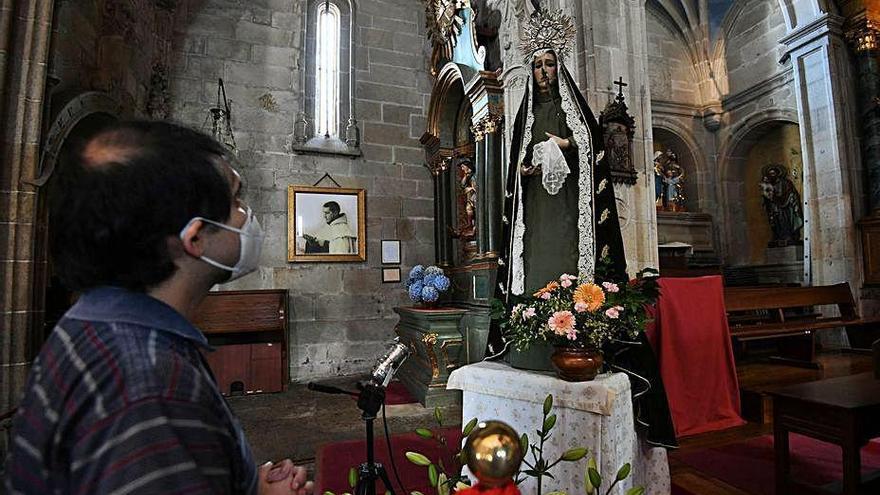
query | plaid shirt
[120, 401]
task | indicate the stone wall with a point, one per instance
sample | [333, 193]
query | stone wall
[341, 313]
[747, 88]
[119, 47]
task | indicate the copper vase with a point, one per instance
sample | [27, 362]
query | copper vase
[576, 364]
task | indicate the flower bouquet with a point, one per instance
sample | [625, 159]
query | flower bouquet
[424, 285]
[581, 317]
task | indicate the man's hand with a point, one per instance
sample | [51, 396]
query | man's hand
[283, 478]
[562, 143]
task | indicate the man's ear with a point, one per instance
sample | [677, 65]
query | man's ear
[192, 240]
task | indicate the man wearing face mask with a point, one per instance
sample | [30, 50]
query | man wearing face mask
[146, 218]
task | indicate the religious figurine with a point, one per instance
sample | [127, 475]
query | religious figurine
[560, 212]
[467, 203]
[669, 181]
[782, 204]
[658, 180]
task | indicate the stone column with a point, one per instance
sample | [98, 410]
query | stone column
[24, 52]
[614, 44]
[830, 153]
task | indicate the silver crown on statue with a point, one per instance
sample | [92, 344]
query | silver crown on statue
[546, 30]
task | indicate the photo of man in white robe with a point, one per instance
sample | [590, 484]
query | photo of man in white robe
[336, 237]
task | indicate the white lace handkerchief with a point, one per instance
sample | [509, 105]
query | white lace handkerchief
[554, 170]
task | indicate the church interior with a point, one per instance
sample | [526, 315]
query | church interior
[740, 138]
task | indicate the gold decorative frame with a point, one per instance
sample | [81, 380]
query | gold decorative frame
[293, 192]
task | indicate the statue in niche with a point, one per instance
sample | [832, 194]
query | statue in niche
[467, 208]
[560, 211]
[782, 204]
[669, 182]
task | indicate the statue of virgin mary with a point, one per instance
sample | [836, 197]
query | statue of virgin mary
[560, 213]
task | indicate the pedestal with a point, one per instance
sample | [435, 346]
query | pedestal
[434, 336]
[596, 415]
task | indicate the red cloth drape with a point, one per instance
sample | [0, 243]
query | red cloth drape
[692, 342]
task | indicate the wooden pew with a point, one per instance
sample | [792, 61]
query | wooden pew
[790, 312]
[248, 328]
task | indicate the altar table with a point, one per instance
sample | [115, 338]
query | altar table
[596, 415]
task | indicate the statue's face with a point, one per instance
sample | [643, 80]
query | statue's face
[544, 71]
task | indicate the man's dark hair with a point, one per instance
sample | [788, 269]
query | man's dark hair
[122, 192]
[334, 207]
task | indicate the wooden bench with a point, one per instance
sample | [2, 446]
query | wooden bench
[792, 312]
[248, 329]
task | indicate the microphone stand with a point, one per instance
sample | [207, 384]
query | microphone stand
[370, 400]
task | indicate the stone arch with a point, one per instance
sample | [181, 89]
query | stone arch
[691, 157]
[736, 155]
[798, 13]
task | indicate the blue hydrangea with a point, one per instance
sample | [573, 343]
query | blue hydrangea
[429, 294]
[415, 291]
[417, 272]
[435, 270]
[441, 283]
[430, 279]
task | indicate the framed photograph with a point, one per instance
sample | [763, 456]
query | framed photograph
[390, 252]
[326, 224]
[390, 275]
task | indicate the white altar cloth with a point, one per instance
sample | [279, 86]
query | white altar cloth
[597, 415]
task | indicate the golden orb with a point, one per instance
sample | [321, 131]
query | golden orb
[493, 453]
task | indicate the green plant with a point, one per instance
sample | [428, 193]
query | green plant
[443, 478]
[540, 467]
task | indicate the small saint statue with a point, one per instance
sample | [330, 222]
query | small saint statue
[782, 204]
[669, 181]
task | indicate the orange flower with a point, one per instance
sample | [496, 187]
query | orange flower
[591, 295]
[550, 287]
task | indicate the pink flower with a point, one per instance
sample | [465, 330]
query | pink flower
[567, 283]
[528, 313]
[614, 312]
[562, 322]
[545, 295]
[565, 276]
[580, 307]
[571, 334]
[610, 287]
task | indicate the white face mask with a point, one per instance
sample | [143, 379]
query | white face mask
[250, 237]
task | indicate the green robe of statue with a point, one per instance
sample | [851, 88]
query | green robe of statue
[550, 242]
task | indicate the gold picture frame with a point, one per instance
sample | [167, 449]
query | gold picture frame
[320, 227]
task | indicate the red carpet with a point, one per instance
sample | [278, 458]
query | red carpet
[334, 460]
[396, 393]
[749, 465]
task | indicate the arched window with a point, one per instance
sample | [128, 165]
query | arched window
[327, 104]
[327, 122]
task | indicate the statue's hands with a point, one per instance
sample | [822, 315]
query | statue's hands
[563, 144]
[528, 170]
